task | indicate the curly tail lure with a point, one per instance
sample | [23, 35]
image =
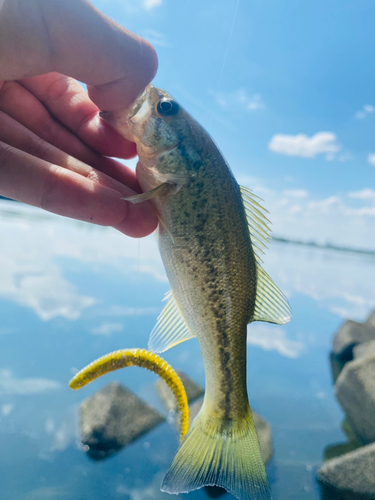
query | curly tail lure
[145, 359]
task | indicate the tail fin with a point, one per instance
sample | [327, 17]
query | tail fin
[226, 455]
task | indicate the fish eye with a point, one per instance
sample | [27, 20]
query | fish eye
[167, 107]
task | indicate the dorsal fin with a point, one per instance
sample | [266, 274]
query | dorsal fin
[170, 328]
[257, 221]
[271, 305]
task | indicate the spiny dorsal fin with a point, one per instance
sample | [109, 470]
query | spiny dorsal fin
[170, 328]
[257, 221]
[271, 305]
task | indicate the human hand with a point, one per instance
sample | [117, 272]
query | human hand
[54, 148]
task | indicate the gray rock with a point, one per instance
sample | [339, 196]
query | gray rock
[193, 391]
[355, 390]
[350, 476]
[365, 350]
[370, 321]
[349, 433]
[336, 450]
[263, 429]
[337, 364]
[112, 418]
[350, 334]
[265, 438]
[339, 449]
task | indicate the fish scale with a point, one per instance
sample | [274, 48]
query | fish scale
[206, 232]
[209, 258]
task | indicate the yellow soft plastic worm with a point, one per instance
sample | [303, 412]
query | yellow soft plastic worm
[145, 359]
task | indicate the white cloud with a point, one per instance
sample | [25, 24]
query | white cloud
[325, 205]
[302, 145]
[239, 99]
[155, 38]
[295, 209]
[249, 103]
[296, 193]
[151, 4]
[272, 338]
[49, 295]
[157, 274]
[371, 159]
[107, 329]
[12, 385]
[64, 436]
[364, 194]
[365, 111]
[340, 219]
[359, 212]
[7, 409]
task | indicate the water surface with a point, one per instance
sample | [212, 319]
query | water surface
[71, 292]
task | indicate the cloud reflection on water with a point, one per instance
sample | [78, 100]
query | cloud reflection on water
[11, 385]
[341, 283]
[31, 274]
[270, 337]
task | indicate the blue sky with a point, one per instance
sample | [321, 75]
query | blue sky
[293, 108]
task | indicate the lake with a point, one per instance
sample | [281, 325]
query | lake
[71, 292]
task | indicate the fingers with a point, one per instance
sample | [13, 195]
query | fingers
[18, 103]
[75, 39]
[21, 105]
[65, 98]
[16, 135]
[37, 182]
[46, 177]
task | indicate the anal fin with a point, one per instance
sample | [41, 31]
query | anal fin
[170, 328]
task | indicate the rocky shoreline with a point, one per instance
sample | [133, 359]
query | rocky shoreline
[349, 471]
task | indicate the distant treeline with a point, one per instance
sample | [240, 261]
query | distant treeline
[326, 246]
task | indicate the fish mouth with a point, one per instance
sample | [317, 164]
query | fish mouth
[139, 102]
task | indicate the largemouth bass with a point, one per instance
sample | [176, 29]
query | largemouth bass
[211, 234]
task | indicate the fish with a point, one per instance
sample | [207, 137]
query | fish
[211, 235]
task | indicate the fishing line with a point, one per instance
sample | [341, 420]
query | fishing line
[226, 55]
[138, 279]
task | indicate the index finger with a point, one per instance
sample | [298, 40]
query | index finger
[76, 39]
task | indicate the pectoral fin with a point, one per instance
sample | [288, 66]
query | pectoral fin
[165, 189]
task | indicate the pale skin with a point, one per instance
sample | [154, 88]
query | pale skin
[54, 148]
